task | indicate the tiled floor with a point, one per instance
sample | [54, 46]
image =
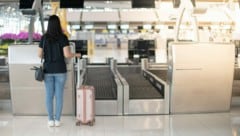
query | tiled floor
[212, 124]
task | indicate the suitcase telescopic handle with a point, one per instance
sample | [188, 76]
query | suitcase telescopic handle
[78, 73]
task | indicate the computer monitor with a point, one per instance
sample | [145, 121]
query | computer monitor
[71, 3]
[30, 7]
[25, 4]
[143, 3]
[124, 26]
[142, 44]
[112, 26]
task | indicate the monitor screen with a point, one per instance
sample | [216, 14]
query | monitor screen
[112, 26]
[26, 4]
[90, 26]
[147, 26]
[143, 3]
[124, 26]
[75, 27]
[139, 27]
[71, 3]
[142, 44]
[124, 31]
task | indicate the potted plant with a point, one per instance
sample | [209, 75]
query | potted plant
[5, 40]
[23, 37]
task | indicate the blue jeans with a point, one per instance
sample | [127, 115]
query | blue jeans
[54, 85]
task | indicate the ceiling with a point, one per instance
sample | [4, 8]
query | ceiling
[113, 3]
[121, 0]
[58, 0]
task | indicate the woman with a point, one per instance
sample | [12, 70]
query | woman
[54, 47]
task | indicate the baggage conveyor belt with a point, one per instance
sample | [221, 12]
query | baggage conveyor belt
[139, 87]
[236, 88]
[103, 81]
[236, 83]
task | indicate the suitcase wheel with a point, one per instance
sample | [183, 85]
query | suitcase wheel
[78, 123]
[91, 123]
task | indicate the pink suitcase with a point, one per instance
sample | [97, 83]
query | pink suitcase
[85, 105]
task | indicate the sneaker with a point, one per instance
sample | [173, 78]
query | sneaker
[51, 123]
[57, 123]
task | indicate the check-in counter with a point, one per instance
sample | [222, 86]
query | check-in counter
[27, 94]
[201, 77]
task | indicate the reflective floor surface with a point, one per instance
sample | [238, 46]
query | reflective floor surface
[211, 124]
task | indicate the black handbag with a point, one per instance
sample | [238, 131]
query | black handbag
[39, 71]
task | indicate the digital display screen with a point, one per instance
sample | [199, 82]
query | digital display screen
[147, 26]
[26, 4]
[75, 27]
[124, 26]
[113, 26]
[71, 3]
[143, 3]
[88, 27]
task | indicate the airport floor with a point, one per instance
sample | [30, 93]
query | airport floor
[211, 124]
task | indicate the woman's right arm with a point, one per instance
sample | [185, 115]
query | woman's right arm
[68, 54]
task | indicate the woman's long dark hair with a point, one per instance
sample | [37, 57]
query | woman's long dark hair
[54, 28]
